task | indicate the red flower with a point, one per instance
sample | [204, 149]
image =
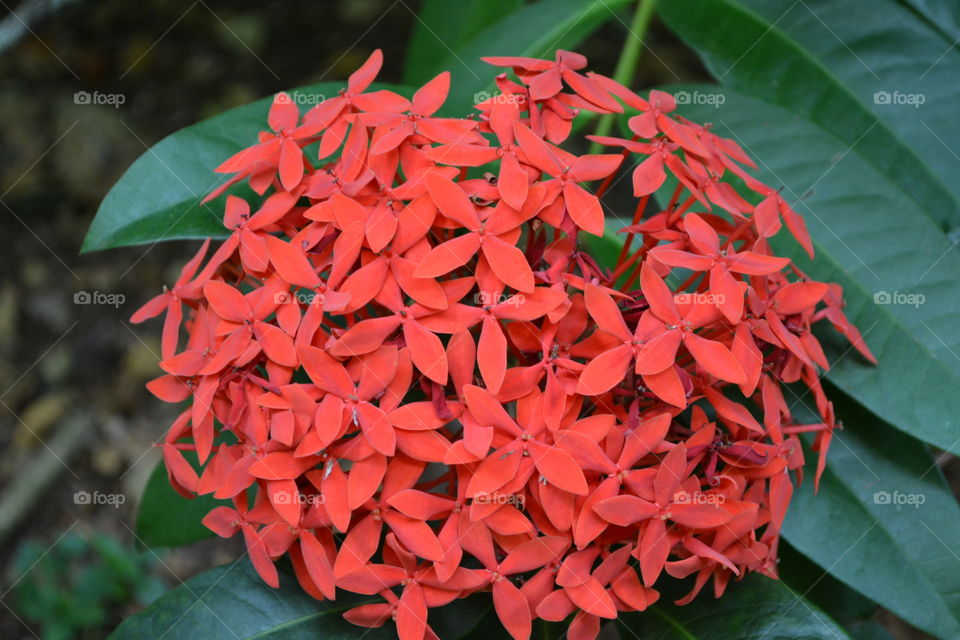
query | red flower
[339, 338]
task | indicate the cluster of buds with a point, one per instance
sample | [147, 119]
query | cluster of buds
[436, 391]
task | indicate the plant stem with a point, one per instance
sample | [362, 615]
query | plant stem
[629, 56]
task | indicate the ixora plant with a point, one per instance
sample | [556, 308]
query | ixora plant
[410, 375]
[451, 365]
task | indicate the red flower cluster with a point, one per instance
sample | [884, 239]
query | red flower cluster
[436, 391]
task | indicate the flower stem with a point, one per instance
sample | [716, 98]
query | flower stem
[629, 57]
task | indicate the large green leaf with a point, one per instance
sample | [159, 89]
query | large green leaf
[873, 239]
[851, 68]
[850, 609]
[167, 519]
[754, 609]
[537, 29]
[158, 197]
[942, 15]
[232, 603]
[441, 27]
[884, 521]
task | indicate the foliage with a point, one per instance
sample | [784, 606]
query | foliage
[849, 110]
[75, 586]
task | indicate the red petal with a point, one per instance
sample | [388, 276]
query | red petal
[584, 208]
[492, 354]
[604, 310]
[291, 164]
[446, 257]
[715, 358]
[427, 351]
[513, 183]
[702, 235]
[452, 201]
[283, 112]
[513, 609]
[649, 176]
[625, 510]
[605, 371]
[377, 428]
[365, 336]
[411, 613]
[318, 564]
[281, 465]
[428, 98]
[659, 353]
[533, 554]
[654, 549]
[226, 302]
[658, 295]
[558, 467]
[260, 558]
[363, 77]
[508, 263]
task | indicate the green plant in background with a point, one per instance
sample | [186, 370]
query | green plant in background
[852, 108]
[74, 588]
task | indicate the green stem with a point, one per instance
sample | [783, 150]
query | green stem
[545, 630]
[629, 57]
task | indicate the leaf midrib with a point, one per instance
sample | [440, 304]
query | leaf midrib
[302, 619]
[675, 624]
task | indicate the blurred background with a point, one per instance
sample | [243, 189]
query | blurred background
[77, 426]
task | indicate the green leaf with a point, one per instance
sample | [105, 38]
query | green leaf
[754, 609]
[537, 30]
[873, 239]
[884, 521]
[167, 519]
[941, 15]
[441, 28]
[232, 603]
[158, 197]
[850, 609]
[845, 68]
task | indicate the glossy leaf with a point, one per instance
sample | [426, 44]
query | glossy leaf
[872, 74]
[873, 239]
[232, 603]
[851, 610]
[559, 24]
[438, 30]
[158, 197]
[891, 517]
[167, 519]
[753, 609]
